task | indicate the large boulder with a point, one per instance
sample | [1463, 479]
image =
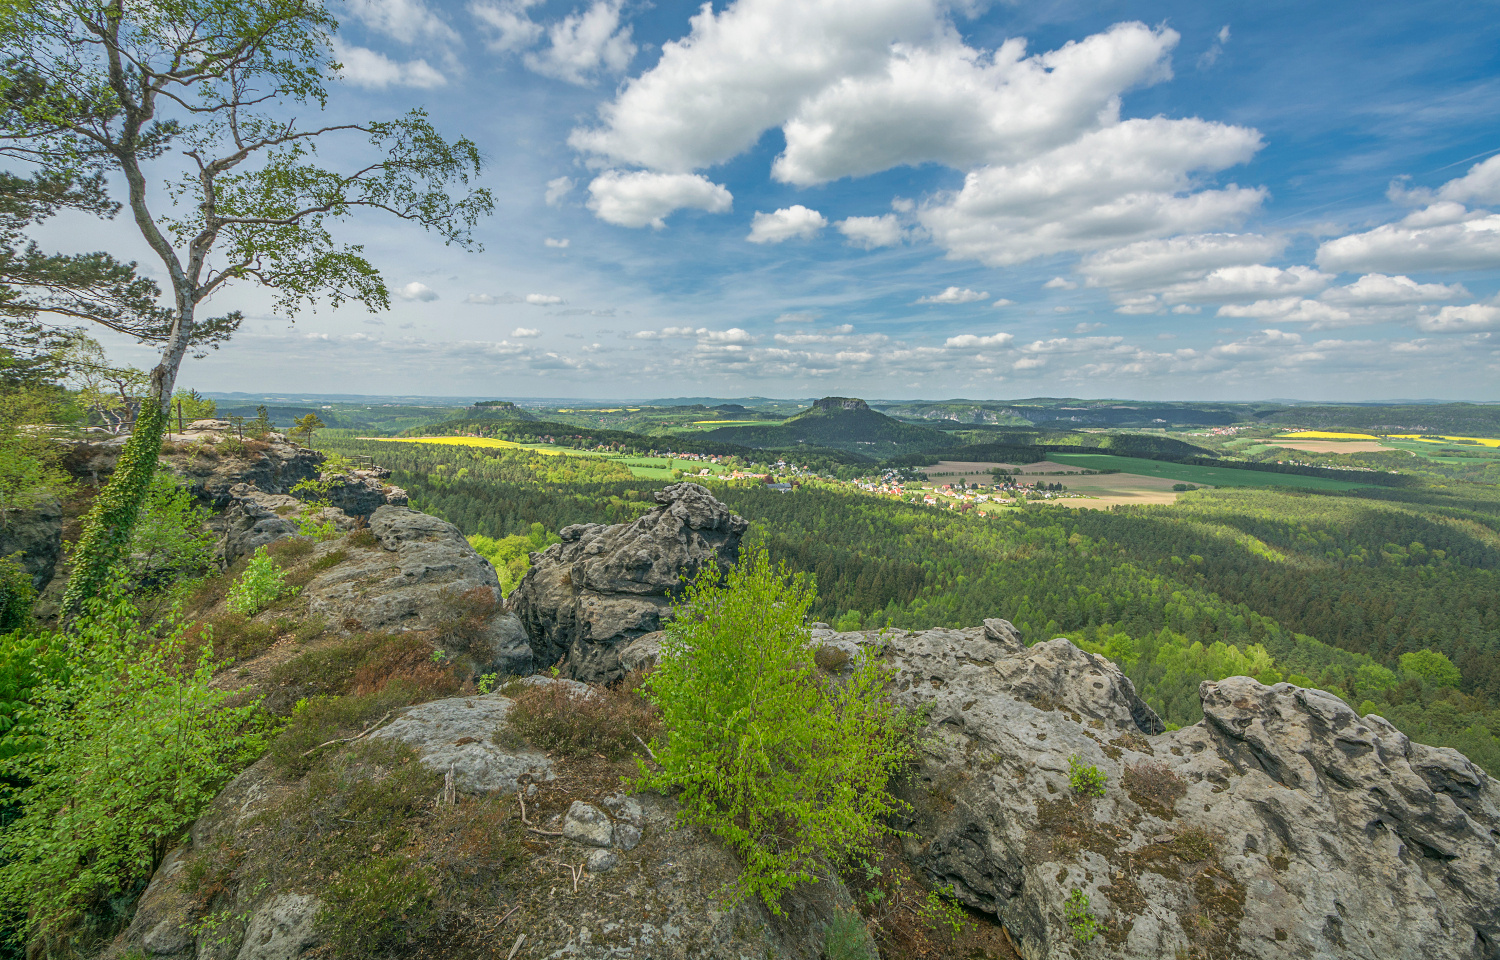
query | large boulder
[35, 534]
[1281, 825]
[592, 875]
[419, 573]
[606, 585]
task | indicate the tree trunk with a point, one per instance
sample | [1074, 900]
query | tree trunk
[110, 524]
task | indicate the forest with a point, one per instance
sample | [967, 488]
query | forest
[1388, 597]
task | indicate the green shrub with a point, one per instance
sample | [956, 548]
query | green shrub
[17, 594]
[169, 542]
[262, 584]
[785, 766]
[377, 905]
[941, 909]
[137, 742]
[1080, 917]
[1086, 779]
[846, 938]
[1432, 668]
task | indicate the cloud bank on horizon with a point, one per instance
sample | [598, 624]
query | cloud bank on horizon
[947, 197]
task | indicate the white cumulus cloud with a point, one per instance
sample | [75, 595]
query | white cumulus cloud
[1378, 290]
[1252, 281]
[525, 333]
[375, 71]
[640, 198]
[404, 20]
[556, 244]
[1468, 319]
[509, 26]
[1127, 182]
[872, 232]
[968, 341]
[1289, 309]
[1149, 264]
[1400, 248]
[786, 223]
[416, 290]
[945, 102]
[583, 45]
[543, 299]
[954, 295]
[1060, 283]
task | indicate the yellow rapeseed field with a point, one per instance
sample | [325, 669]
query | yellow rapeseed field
[463, 442]
[1321, 435]
[1482, 441]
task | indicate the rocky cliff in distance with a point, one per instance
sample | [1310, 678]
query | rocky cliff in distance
[606, 585]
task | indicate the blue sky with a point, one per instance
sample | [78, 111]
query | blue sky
[910, 198]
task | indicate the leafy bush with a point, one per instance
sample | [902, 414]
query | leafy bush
[262, 584]
[17, 594]
[786, 767]
[169, 542]
[1086, 779]
[1080, 917]
[556, 716]
[376, 905]
[137, 742]
[1432, 668]
[845, 937]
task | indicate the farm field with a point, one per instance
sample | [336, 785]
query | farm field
[1202, 476]
[644, 468]
[1329, 446]
[1103, 490]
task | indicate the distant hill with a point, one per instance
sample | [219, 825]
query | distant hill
[1460, 419]
[1066, 413]
[838, 423]
[498, 410]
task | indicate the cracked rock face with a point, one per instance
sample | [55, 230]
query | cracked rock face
[421, 574]
[1281, 825]
[604, 586]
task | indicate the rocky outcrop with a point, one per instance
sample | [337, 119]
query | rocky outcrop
[360, 493]
[211, 460]
[605, 585]
[419, 573]
[35, 534]
[252, 519]
[1282, 825]
[593, 875]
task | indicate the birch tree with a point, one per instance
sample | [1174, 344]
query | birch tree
[197, 107]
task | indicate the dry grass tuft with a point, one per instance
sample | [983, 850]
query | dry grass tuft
[605, 722]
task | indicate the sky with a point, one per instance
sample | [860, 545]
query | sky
[920, 199]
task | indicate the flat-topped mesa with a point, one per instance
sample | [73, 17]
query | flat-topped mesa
[605, 585]
[840, 403]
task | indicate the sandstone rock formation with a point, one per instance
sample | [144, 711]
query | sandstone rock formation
[605, 585]
[604, 877]
[419, 573]
[1282, 825]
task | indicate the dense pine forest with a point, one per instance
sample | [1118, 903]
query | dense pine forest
[1389, 597]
